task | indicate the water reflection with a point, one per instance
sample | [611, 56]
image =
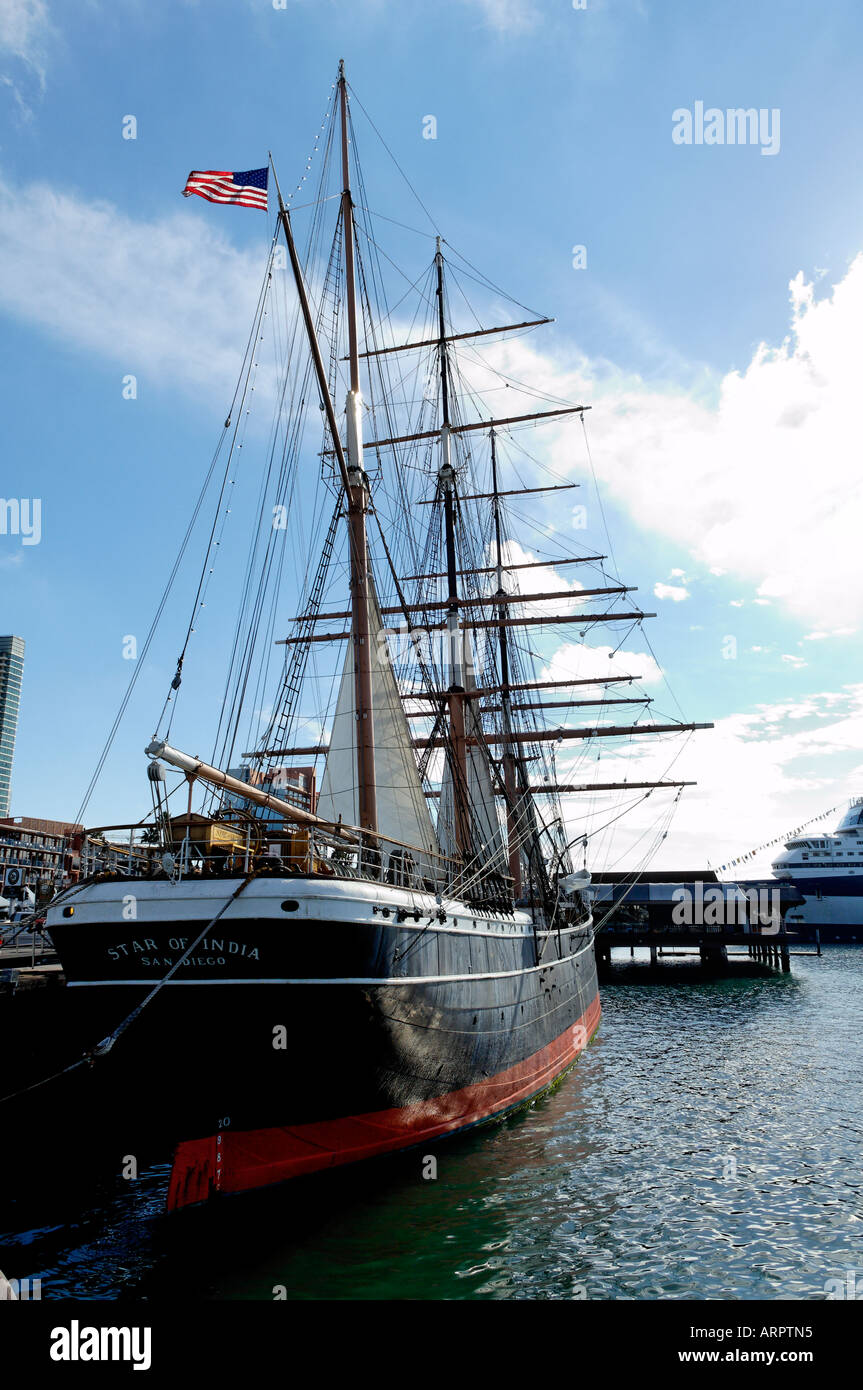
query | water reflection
[706, 1146]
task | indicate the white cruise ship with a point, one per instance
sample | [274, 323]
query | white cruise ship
[828, 870]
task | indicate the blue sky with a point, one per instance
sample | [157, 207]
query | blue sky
[724, 423]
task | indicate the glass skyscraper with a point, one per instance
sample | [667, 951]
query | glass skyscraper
[11, 672]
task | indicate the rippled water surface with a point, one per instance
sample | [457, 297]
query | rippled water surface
[708, 1145]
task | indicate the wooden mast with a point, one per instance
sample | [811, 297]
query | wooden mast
[358, 501]
[456, 624]
[509, 780]
[353, 477]
[456, 690]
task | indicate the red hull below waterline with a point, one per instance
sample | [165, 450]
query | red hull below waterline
[239, 1160]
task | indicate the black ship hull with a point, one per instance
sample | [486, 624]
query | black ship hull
[282, 1047]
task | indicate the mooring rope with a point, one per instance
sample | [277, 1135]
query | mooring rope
[104, 1047]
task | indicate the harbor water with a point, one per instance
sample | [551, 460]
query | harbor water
[706, 1146]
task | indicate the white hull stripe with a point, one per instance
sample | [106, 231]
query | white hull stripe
[344, 979]
[505, 934]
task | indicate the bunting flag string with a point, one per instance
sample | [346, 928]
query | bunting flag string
[780, 839]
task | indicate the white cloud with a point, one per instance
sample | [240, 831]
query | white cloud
[795, 661]
[25, 34]
[758, 774]
[24, 25]
[834, 632]
[675, 592]
[574, 661]
[507, 16]
[724, 480]
[169, 300]
[544, 579]
[734, 481]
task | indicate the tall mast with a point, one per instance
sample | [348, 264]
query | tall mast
[456, 690]
[509, 779]
[358, 501]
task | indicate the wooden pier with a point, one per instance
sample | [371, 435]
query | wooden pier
[694, 914]
[710, 944]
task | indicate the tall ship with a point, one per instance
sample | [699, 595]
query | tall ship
[360, 923]
[828, 871]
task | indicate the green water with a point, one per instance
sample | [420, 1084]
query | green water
[706, 1146]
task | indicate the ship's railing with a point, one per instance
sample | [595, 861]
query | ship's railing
[375, 859]
[243, 844]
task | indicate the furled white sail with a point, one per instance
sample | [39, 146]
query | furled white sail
[403, 812]
[491, 843]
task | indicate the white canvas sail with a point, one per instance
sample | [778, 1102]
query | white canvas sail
[491, 844]
[525, 829]
[403, 812]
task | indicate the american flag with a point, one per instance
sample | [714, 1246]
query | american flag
[247, 189]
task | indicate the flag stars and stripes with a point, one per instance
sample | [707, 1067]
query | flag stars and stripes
[247, 189]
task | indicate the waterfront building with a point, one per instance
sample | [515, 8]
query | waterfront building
[32, 854]
[42, 855]
[296, 785]
[11, 673]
